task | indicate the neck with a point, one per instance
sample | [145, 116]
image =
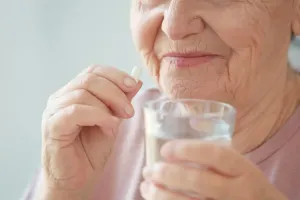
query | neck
[256, 125]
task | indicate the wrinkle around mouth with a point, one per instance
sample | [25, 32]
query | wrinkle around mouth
[152, 62]
[188, 84]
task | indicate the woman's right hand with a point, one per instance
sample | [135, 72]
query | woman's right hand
[80, 125]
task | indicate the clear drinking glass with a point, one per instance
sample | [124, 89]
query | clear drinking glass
[167, 120]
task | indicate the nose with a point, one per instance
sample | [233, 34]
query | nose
[180, 22]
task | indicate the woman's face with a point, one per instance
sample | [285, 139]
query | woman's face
[229, 50]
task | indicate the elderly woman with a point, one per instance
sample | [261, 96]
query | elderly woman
[226, 50]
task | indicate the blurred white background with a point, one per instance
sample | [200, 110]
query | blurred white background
[43, 44]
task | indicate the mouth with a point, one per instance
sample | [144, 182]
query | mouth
[188, 59]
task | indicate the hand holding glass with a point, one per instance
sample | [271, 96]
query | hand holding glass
[167, 120]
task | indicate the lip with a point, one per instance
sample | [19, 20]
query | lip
[188, 59]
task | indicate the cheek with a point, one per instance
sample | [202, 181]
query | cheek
[246, 36]
[144, 28]
[238, 28]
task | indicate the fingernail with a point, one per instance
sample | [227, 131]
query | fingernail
[129, 82]
[147, 172]
[129, 110]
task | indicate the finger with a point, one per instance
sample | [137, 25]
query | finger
[66, 123]
[106, 91]
[79, 96]
[203, 183]
[149, 191]
[121, 79]
[132, 94]
[219, 157]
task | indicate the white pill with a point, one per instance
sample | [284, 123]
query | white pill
[136, 72]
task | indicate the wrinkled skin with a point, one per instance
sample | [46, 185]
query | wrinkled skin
[251, 71]
[79, 129]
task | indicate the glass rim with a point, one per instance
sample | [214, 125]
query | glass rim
[231, 110]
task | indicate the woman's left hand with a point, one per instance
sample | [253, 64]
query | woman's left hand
[225, 174]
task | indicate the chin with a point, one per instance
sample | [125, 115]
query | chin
[181, 90]
[193, 89]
